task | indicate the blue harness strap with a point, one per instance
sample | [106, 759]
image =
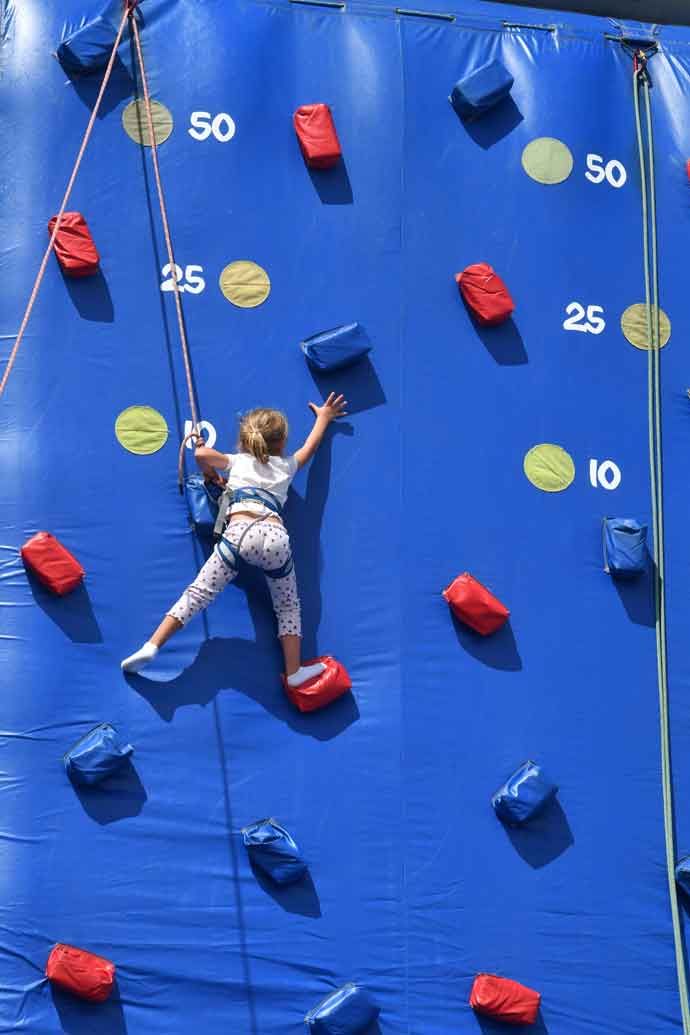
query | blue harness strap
[259, 495]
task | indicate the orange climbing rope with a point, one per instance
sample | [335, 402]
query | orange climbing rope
[129, 8]
[168, 238]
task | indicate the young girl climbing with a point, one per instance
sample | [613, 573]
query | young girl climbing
[259, 476]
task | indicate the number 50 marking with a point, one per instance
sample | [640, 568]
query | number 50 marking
[203, 125]
[613, 172]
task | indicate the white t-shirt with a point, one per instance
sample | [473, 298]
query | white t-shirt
[275, 476]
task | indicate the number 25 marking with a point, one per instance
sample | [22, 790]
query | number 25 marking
[575, 312]
[187, 281]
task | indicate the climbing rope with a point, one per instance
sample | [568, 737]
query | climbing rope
[651, 279]
[168, 238]
[128, 10]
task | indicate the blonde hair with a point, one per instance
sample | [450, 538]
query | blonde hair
[262, 433]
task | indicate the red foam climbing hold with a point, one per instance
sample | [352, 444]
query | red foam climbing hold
[504, 1000]
[687, 168]
[74, 247]
[80, 972]
[322, 689]
[52, 563]
[473, 604]
[317, 136]
[485, 293]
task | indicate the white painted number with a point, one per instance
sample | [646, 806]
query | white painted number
[575, 312]
[187, 281]
[607, 474]
[204, 124]
[204, 425]
[613, 172]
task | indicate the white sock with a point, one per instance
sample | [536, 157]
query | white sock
[306, 672]
[140, 658]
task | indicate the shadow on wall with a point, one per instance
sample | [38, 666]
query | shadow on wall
[120, 88]
[637, 595]
[544, 838]
[489, 1026]
[504, 343]
[119, 797]
[91, 297]
[300, 898]
[73, 613]
[499, 650]
[332, 185]
[359, 384]
[79, 1017]
[495, 124]
[252, 668]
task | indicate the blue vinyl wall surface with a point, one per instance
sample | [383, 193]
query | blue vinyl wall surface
[414, 886]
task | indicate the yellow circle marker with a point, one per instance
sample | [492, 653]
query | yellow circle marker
[549, 467]
[245, 284]
[141, 429]
[137, 127]
[547, 160]
[634, 326]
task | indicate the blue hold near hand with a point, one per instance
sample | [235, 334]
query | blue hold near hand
[337, 348]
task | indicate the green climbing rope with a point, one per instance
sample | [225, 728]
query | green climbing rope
[651, 278]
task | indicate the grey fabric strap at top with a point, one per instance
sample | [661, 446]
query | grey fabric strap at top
[651, 277]
[232, 496]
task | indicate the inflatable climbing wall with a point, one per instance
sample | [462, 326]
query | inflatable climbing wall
[494, 450]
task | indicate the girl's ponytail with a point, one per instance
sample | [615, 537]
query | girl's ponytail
[257, 444]
[263, 433]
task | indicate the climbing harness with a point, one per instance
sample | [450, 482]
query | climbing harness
[227, 551]
[641, 87]
[127, 13]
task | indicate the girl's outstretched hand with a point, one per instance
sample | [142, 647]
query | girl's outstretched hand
[334, 406]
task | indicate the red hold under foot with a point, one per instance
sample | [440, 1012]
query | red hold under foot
[485, 294]
[473, 604]
[80, 972]
[504, 1000]
[52, 563]
[317, 137]
[74, 246]
[322, 689]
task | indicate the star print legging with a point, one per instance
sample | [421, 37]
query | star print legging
[266, 545]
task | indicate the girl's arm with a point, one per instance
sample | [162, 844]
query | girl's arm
[210, 461]
[333, 407]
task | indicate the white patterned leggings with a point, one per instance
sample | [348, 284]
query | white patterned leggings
[267, 546]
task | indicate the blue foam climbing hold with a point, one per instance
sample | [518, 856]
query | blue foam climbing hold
[97, 755]
[523, 794]
[344, 1012]
[683, 874]
[481, 90]
[337, 348]
[625, 547]
[271, 848]
[88, 47]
